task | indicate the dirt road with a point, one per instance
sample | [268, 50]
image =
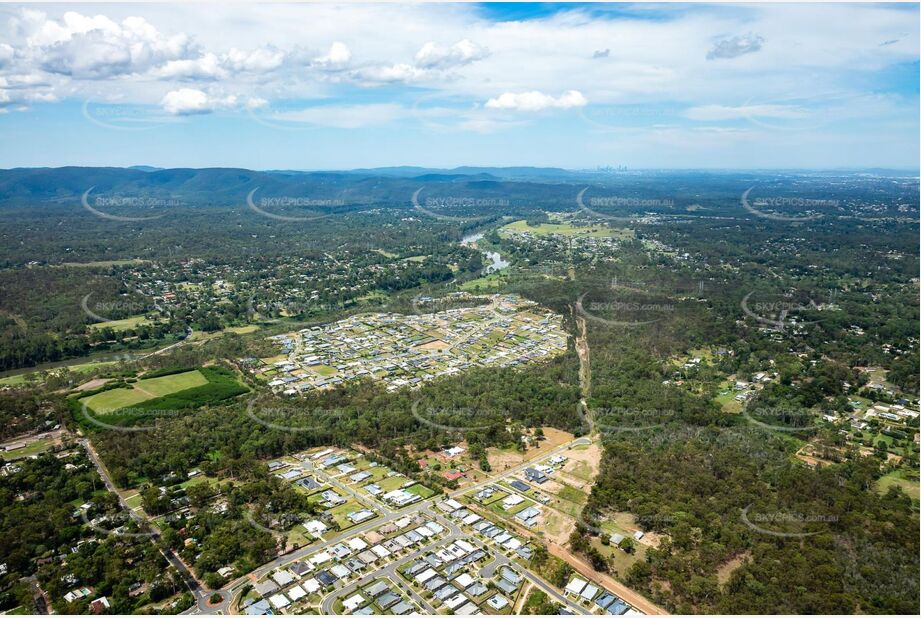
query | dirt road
[630, 596]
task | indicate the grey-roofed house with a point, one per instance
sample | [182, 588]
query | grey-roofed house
[435, 527]
[265, 587]
[340, 551]
[535, 476]
[528, 516]
[510, 576]
[309, 483]
[368, 557]
[453, 567]
[506, 587]
[299, 568]
[444, 593]
[477, 589]
[360, 476]
[377, 589]
[415, 567]
[516, 484]
[259, 608]
[387, 599]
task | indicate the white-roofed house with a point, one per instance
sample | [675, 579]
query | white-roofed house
[353, 602]
[283, 578]
[311, 585]
[296, 592]
[576, 585]
[279, 601]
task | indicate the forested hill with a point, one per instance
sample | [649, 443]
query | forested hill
[538, 187]
[339, 191]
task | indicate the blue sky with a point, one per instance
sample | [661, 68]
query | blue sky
[441, 85]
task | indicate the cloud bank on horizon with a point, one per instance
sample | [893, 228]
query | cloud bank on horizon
[339, 86]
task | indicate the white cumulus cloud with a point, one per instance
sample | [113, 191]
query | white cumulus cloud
[535, 101]
[432, 56]
[97, 47]
[401, 72]
[188, 101]
[338, 55]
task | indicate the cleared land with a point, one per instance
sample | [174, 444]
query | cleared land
[22, 378]
[503, 459]
[898, 478]
[120, 325]
[565, 229]
[103, 263]
[143, 390]
[33, 448]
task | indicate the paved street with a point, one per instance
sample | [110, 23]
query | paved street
[194, 586]
[386, 515]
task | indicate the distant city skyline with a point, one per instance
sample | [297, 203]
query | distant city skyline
[577, 86]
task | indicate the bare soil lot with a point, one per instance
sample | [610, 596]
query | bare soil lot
[583, 466]
[88, 386]
[503, 459]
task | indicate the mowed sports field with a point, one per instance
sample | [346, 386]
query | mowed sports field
[143, 390]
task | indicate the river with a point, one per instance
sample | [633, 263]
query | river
[496, 261]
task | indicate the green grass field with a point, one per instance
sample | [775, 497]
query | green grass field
[496, 507]
[493, 281]
[581, 470]
[120, 325]
[620, 560]
[81, 368]
[339, 513]
[899, 478]
[377, 473]
[323, 370]
[727, 400]
[36, 447]
[134, 501]
[155, 396]
[143, 390]
[566, 229]
[496, 497]
[242, 330]
[572, 495]
[103, 263]
[394, 482]
[421, 490]
[201, 479]
[13, 380]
